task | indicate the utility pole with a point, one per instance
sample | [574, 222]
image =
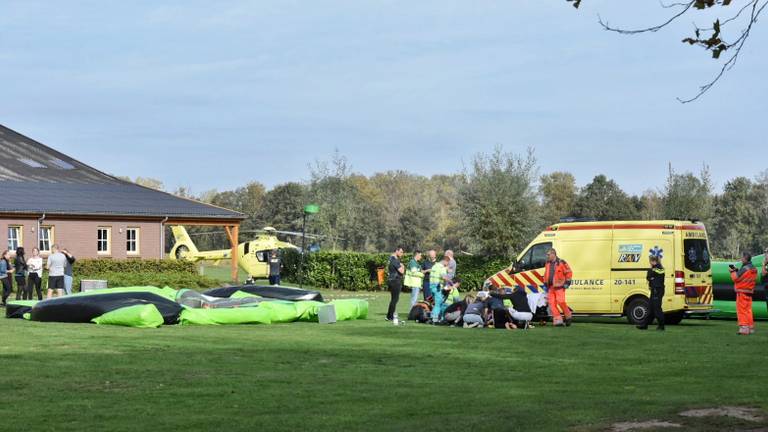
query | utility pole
[309, 209]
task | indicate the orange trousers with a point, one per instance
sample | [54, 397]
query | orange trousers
[744, 310]
[556, 298]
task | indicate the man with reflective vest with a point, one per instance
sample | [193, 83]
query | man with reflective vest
[436, 281]
[744, 281]
[557, 279]
[414, 278]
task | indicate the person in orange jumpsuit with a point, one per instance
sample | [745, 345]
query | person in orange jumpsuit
[557, 278]
[744, 281]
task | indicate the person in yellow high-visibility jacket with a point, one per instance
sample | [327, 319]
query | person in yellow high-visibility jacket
[414, 277]
[436, 282]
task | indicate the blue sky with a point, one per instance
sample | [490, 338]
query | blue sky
[216, 94]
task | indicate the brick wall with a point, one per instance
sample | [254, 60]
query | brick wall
[80, 236]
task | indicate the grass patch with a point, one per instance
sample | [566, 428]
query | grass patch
[369, 375]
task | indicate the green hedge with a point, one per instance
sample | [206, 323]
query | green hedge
[98, 266]
[138, 272]
[357, 271]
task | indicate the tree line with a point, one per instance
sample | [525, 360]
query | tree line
[495, 207]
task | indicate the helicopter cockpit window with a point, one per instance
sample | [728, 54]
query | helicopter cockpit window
[247, 248]
[262, 256]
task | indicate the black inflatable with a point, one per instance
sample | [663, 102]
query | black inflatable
[726, 293]
[16, 311]
[84, 308]
[273, 292]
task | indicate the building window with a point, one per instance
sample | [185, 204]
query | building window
[45, 237]
[14, 237]
[103, 238]
[132, 241]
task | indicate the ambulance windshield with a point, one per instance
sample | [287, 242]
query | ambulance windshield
[697, 255]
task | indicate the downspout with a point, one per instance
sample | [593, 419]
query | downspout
[39, 222]
[162, 237]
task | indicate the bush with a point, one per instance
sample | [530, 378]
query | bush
[357, 271]
[98, 266]
[136, 272]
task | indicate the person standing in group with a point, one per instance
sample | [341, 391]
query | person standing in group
[557, 278]
[68, 274]
[57, 261]
[395, 269]
[275, 265]
[35, 266]
[426, 268]
[6, 273]
[450, 267]
[414, 278]
[744, 281]
[655, 277]
[20, 266]
[436, 284]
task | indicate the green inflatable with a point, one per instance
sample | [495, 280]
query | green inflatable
[139, 316]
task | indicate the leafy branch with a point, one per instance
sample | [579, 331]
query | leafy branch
[711, 39]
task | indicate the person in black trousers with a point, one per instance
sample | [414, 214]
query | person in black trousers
[656, 284]
[20, 264]
[395, 270]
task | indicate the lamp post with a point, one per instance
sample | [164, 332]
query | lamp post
[309, 209]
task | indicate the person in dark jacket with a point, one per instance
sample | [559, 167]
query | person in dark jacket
[426, 267]
[395, 272]
[6, 273]
[520, 309]
[20, 264]
[655, 277]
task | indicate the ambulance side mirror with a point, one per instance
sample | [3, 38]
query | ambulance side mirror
[517, 267]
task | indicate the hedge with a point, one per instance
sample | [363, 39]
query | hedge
[138, 272]
[358, 271]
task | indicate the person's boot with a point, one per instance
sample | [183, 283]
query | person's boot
[568, 321]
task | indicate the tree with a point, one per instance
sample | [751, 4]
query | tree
[652, 206]
[603, 199]
[283, 207]
[149, 182]
[558, 191]
[713, 39]
[687, 196]
[499, 210]
[735, 227]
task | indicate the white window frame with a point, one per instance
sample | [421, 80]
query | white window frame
[50, 229]
[136, 241]
[107, 241]
[18, 238]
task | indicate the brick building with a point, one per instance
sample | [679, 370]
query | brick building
[47, 197]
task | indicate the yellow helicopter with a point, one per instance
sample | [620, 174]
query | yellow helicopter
[253, 255]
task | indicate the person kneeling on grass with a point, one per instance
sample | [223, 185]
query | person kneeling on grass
[519, 309]
[476, 311]
[454, 314]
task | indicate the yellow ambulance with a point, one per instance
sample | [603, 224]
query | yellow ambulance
[610, 260]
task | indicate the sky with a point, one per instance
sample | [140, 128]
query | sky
[213, 95]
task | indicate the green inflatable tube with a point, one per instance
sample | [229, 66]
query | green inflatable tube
[721, 273]
[139, 316]
[727, 309]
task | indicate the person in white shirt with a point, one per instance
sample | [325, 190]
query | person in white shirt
[35, 264]
[55, 265]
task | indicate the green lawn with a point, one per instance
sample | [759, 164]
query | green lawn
[370, 375]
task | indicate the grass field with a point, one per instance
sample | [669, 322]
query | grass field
[370, 375]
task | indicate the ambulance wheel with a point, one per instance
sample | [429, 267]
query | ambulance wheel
[673, 318]
[638, 310]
